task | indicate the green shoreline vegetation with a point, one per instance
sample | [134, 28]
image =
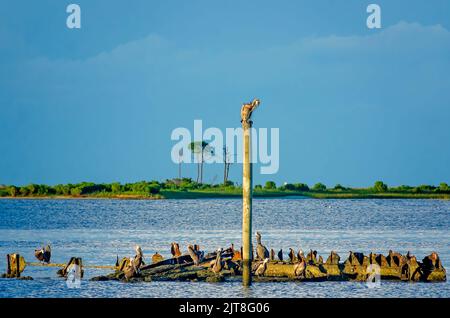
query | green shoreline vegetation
[186, 188]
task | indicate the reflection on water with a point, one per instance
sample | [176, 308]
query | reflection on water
[98, 230]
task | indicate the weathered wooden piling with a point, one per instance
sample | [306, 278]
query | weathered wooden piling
[247, 176]
[15, 265]
[246, 206]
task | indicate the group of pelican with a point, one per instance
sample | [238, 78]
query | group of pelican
[193, 251]
[131, 265]
[263, 256]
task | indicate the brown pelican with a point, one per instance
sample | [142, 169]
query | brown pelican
[196, 255]
[300, 254]
[272, 254]
[291, 255]
[299, 267]
[311, 258]
[138, 259]
[217, 264]
[192, 254]
[175, 250]
[280, 254]
[133, 264]
[431, 262]
[130, 270]
[434, 257]
[247, 110]
[138, 251]
[39, 254]
[156, 258]
[44, 254]
[261, 269]
[261, 250]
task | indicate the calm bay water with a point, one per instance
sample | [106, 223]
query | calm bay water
[98, 230]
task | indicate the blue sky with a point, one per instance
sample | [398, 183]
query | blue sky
[98, 104]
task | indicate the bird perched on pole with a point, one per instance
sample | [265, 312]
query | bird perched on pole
[248, 109]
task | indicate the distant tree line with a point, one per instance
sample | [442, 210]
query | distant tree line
[150, 188]
[83, 188]
[89, 188]
[378, 187]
